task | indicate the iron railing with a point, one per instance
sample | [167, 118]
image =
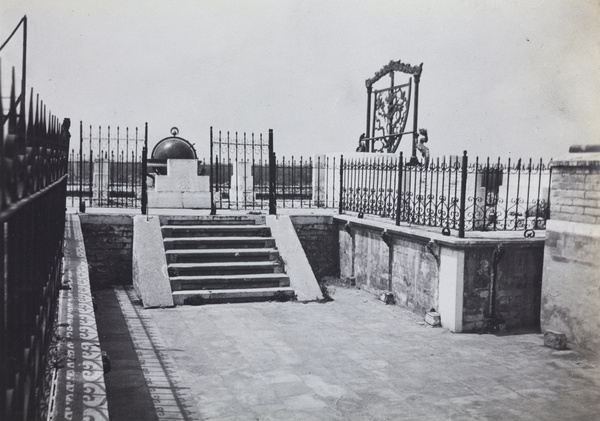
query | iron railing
[303, 183]
[450, 193]
[33, 181]
[509, 196]
[106, 171]
[246, 174]
[240, 170]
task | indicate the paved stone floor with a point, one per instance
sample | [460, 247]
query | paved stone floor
[357, 359]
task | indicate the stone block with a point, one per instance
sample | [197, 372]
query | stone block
[585, 219]
[592, 194]
[555, 340]
[387, 297]
[576, 210]
[559, 199]
[199, 200]
[182, 168]
[592, 211]
[432, 318]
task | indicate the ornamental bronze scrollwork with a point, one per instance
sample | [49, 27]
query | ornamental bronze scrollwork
[395, 66]
[388, 110]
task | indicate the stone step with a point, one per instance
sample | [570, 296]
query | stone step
[221, 255]
[239, 281]
[215, 230]
[224, 268]
[218, 242]
[219, 260]
[232, 295]
[212, 220]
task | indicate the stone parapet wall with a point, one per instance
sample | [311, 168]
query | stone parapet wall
[457, 277]
[516, 268]
[415, 275]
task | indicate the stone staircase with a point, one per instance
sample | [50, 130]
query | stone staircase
[216, 260]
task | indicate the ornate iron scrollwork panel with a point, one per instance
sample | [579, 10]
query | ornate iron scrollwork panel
[390, 113]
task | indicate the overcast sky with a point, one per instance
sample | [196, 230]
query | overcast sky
[500, 78]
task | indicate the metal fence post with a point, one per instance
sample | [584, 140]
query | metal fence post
[272, 176]
[463, 194]
[399, 189]
[144, 172]
[213, 207]
[81, 202]
[341, 201]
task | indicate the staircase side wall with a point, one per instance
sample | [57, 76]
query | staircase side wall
[297, 267]
[150, 274]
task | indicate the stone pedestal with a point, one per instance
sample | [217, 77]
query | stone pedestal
[181, 187]
[571, 280]
[100, 181]
[242, 183]
[319, 181]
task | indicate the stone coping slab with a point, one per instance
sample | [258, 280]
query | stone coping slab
[425, 234]
[78, 390]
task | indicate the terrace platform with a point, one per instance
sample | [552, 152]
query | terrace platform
[351, 359]
[354, 358]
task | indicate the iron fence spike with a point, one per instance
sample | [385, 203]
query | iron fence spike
[12, 108]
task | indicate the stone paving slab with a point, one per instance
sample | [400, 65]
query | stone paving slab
[170, 398]
[357, 359]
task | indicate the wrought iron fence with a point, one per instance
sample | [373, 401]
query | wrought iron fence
[369, 185]
[303, 183]
[33, 181]
[246, 174]
[106, 171]
[449, 193]
[508, 196]
[240, 170]
[430, 196]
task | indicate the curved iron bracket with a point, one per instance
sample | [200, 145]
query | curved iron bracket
[498, 253]
[386, 237]
[349, 229]
[434, 249]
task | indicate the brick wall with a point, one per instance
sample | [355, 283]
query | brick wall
[571, 280]
[575, 194]
[319, 238]
[108, 244]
